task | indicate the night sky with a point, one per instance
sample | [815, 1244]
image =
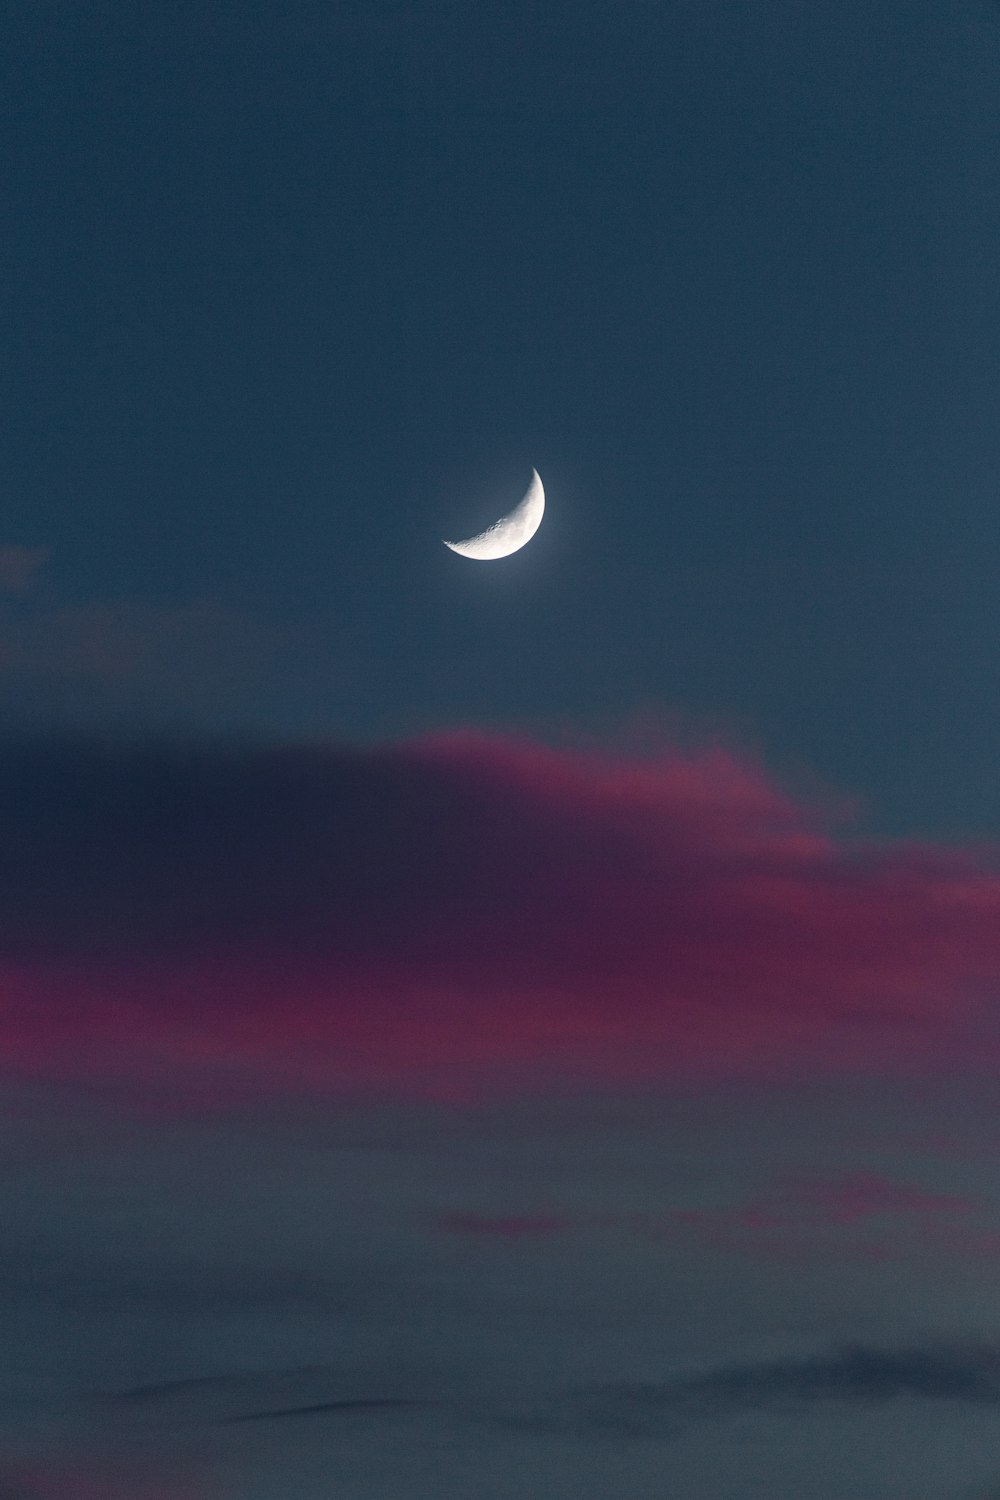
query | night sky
[517, 1029]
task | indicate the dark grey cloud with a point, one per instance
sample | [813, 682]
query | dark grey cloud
[262, 1395]
[155, 849]
[326, 1408]
[165, 1390]
[854, 1374]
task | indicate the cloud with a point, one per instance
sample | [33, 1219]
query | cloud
[120, 641]
[199, 1386]
[263, 1395]
[791, 1218]
[462, 911]
[135, 662]
[307, 1386]
[862, 1214]
[854, 1374]
[330, 1408]
[18, 566]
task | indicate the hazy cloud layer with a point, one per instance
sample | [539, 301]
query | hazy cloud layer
[791, 1218]
[116, 662]
[122, 660]
[464, 909]
[18, 566]
[410, 1298]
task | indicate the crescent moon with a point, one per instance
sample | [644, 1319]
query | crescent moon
[512, 531]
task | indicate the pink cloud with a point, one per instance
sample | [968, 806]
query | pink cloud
[463, 913]
[864, 1215]
[799, 1218]
[839, 1201]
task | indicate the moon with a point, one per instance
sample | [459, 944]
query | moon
[511, 532]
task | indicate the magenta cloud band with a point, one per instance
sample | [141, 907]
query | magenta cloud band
[465, 912]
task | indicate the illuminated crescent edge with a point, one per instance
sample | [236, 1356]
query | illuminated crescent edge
[512, 532]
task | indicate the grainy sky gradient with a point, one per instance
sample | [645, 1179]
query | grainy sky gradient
[525, 1030]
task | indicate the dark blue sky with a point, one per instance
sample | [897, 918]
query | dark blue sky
[291, 291]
